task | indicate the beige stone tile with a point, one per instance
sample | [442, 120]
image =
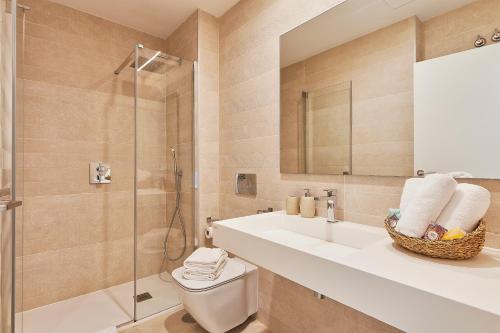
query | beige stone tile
[76, 111]
[95, 266]
[383, 159]
[183, 42]
[281, 312]
[456, 31]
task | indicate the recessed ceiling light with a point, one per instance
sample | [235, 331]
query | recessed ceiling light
[395, 4]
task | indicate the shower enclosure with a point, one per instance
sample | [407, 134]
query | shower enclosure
[86, 256]
[164, 157]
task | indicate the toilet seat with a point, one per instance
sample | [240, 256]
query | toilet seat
[232, 271]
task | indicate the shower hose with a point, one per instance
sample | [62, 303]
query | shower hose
[176, 214]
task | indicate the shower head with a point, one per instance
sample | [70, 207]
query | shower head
[172, 150]
[150, 62]
[157, 64]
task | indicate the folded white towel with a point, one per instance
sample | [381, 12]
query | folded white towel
[207, 268]
[206, 258]
[427, 204]
[412, 185]
[203, 275]
[467, 206]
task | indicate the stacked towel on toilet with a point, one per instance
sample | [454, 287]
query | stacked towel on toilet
[438, 199]
[205, 264]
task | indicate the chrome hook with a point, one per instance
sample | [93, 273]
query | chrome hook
[496, 36]
[480, 41]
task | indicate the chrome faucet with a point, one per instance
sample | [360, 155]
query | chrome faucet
[331, 195]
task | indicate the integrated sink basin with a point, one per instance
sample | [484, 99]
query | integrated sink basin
[359, 266]
[315, 236]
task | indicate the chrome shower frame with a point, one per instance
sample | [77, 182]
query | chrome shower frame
[133, 60]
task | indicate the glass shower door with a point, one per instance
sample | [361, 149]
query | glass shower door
[7, 158]
[164, 169]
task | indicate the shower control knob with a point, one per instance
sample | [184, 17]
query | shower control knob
[100, 173]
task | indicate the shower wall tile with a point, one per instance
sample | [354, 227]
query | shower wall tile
[179, 134]
[197, 39]
[183, 42]
[78, 237]
[73, 271]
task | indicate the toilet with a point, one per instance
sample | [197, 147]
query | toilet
[224, 303]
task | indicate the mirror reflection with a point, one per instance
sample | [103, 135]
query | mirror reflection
[392, 88]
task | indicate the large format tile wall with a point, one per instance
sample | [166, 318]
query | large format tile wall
[198, 39]
[179, 118]
[249, 97]
[457, 30]
[78, 237]
[208, 140]
[79, 232]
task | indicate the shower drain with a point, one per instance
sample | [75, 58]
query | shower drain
[143, 297]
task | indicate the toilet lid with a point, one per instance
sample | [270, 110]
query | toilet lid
[233, 270]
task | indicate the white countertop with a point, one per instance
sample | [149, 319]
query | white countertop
[377, 276]
[472, 282]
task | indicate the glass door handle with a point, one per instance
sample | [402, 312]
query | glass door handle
[6, 205]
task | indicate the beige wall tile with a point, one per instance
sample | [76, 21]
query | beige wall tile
[281, 311]
[457, 30]
[78, 237]
[183, 42]
[208, 121]
[249, 94]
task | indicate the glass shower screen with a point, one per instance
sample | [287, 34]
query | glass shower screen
[164, 169]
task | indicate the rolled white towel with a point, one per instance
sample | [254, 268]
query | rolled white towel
[206, 258]
[427, 204]
[203, 275]
[468, 205]
[412, 185]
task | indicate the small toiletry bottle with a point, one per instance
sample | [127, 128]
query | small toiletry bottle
[307, 204]
[292, 205]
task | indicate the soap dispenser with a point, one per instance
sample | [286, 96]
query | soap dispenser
[307, 204]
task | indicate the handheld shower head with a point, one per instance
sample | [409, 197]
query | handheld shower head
[172, 150]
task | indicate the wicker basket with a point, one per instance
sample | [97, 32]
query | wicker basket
[458, 249]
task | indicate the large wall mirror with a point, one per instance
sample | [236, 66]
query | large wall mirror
[393, 88]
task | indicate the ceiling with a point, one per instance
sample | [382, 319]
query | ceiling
[157, 17]
[353, 19]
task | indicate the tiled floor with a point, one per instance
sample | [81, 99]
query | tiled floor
[182, 322]
[101, 309]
